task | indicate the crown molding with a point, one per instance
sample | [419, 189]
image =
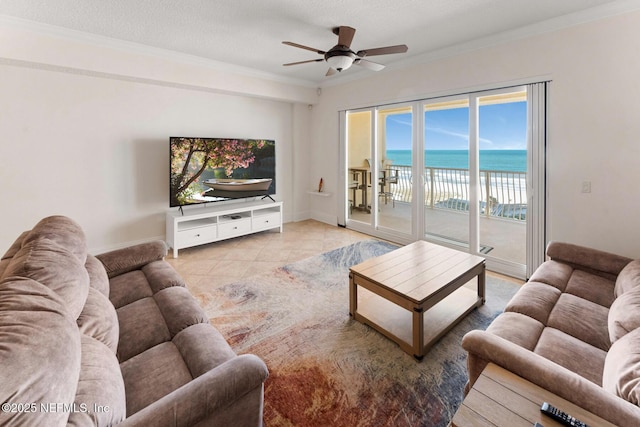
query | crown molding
[551, 25]
[142, 49]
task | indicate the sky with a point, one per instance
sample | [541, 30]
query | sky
[502, 127]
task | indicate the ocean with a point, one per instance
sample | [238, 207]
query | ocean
[496, 160]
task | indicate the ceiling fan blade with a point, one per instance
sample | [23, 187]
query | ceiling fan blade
[345, 35]
[374, 66]
[401, 48]
[330, 72]
[312, 49]
[304, 62]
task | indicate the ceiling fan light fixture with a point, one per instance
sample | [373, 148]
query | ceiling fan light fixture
[340, 62]
[341, 57]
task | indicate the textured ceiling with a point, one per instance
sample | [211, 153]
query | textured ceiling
[249, 33]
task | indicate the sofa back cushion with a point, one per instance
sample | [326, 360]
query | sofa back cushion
[39, 350]
[99, 320]
[624, 314]
[621, 375]
[13, 249]
[62, 230]
[628, 279]
[100, 394]
[54, 266]
[98, 278]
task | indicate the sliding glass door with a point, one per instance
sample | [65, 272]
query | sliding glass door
[446, 176]
[455, 171]
[394, 169]
[502, 139]
[379, 156]
[359, 131]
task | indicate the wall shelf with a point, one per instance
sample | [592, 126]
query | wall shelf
[319, 193]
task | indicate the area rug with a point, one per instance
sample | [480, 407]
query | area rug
[329, 370]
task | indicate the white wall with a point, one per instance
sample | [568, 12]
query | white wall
[97, 149]
[593, 121]
[85, 132]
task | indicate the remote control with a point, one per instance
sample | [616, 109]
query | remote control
[562, 417]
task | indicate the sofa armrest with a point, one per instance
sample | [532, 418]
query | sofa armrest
[205, 395]
[123, 260]
[587, 258]
[485, 347]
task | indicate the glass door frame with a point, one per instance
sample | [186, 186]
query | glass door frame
[415, 179]
[373, 227]
[421, 218]
[497, 264]
[535, 236]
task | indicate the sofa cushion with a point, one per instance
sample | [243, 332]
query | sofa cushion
[162, 275]
[62, 230]
[39, 352]
[569, 314]
[628, 279]
[624, 315]
[129, 287]
[142, 326]
[179, 309]
[47, 262]
[621, 374]
[203, 348]
[591, 287]
[98, 278]
[6, 258]
[99, 320]
[153, 374]
[535, 300]
[552, 273]
[572, 353]
[134, 285]
[15, 246]
[518, 328]
[100, 394]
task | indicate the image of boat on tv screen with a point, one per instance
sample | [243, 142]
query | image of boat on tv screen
[207, 170]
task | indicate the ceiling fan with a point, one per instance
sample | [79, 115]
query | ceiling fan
[340, 57]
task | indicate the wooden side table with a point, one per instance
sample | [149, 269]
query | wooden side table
[501, 398]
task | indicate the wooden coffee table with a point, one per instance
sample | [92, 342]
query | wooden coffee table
[416, 294]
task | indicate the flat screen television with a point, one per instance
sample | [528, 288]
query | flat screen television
[204, 170]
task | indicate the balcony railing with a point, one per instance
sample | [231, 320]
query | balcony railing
[503, 194]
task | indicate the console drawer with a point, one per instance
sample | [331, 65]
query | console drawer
[235, 227]
[196, 236]
[261, 222]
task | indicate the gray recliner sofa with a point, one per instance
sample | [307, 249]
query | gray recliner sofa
[113, 339]
[572, 329]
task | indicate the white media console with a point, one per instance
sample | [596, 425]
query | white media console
[198, 226]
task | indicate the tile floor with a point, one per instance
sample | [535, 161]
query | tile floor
[229, 260]
[224, 262]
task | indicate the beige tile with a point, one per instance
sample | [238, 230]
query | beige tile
[227, 261]
[257, 267]
[242, 254]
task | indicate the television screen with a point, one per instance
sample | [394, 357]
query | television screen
[207, 170]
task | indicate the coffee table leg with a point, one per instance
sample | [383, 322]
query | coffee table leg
[418, 333]
[353, 296]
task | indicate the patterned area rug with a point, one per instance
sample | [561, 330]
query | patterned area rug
[329, 370]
